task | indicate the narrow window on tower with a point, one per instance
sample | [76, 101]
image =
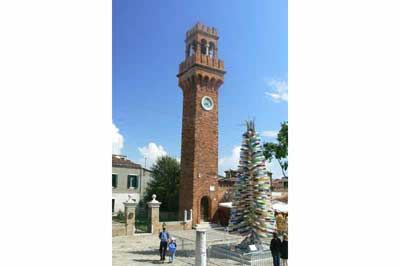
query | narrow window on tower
[211, 49]
[193, 48]
[203, 46]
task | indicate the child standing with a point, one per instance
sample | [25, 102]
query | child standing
[172, 249]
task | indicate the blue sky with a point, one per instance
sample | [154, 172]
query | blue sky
[148, 45]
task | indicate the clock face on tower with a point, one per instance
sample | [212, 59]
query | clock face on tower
[207, 103]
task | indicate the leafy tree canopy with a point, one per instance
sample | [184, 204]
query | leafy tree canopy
[279, 150]
[165, 183]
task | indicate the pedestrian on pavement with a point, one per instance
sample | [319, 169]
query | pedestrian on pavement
[280, 223]
[172, 249]
[284, 250]
[164, 237]
[275, 247]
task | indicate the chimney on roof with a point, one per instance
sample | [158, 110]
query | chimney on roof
[119, 156]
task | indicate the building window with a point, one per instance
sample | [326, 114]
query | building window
[132, 181]
[114, 180]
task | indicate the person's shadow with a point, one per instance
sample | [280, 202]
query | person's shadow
[149, 261]
[148, 252]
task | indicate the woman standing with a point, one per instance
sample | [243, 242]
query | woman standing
[284, 250]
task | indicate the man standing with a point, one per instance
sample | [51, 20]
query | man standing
[164, 236]
[275, 248]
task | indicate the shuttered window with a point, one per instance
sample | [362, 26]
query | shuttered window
[132, 181]
[114, 180]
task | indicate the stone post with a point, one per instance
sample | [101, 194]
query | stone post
[201, 248]
[191, 214]
[130, 209]
[185, 216]
[154, 215]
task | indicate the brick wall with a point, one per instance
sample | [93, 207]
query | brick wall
[199, 156]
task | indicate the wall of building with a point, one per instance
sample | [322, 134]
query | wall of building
[280, 185]
[121, 192]
[122, 183]
[145, 180]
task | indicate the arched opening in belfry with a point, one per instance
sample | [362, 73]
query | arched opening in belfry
[211, 49]
[188, 52]
[205, 209]
[203, 46]
[193, 47]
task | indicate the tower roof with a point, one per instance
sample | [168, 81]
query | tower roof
[200, 27]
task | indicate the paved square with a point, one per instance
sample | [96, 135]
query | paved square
[142, 249]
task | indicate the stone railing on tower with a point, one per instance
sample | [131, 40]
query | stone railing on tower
[201, 27]
[202, 60]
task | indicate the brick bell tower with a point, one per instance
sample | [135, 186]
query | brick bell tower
[200, 75]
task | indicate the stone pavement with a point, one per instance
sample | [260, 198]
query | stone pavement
[142, 249]
[138, 250]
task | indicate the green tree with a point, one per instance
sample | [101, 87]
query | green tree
[165, 183]
[279, 150]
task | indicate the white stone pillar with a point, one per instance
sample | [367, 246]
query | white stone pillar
[130, 209]
[154, 215]
[201, 248]
[191, 214]
[185, 216]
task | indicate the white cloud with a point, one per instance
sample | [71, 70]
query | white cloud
[275, 168]
[117, 140]
[278, 90]
[231, 161]
[150, 154]
[269, 133]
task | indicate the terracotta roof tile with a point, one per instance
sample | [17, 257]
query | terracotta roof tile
[122, 161]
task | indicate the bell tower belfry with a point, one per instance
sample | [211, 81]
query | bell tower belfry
[200, 76]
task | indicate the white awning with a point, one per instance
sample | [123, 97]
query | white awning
[278, 206]
[226, 204]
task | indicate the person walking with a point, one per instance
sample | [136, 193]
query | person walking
[172, 249]
[280, 223]
[275, 247]
[163, 236]
[284, 250]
